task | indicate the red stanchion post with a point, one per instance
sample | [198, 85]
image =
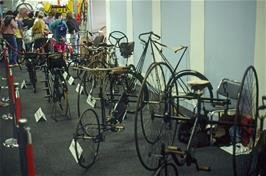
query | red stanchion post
[22, 142]
[11, 85]
[29, 154]
[18, 105]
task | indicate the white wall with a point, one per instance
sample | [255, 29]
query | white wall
[98, 14]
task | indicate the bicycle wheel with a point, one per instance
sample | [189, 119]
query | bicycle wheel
[32, 73]
[20, 59]
[245, 124]
[90, 81]
[87, 138]
[24, 5]
[72, 71]
[152, 123]
[184, 106]
[168, 169]
[60, 95]
[133, 81]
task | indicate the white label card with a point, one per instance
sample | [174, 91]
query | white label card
[71, 80]
[73, 150]
[39, 115]
[91, 101]
[65, 75]
[79, 89]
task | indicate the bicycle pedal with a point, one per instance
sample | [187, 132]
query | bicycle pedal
[204, 168]
[174, 150]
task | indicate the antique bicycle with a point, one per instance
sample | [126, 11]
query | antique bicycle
[91, 127]
[158, 119]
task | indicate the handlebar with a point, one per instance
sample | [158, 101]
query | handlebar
[115, 38]
[150, 35]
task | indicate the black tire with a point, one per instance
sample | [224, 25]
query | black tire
[186, 107]
[133, 82]
[71, 71]
[88, 137]
[152, 127]
[32, 74]
[244, 129]
[59, 95]
[24, 4]
[168, 169]
[89, 83]
[181, 80]
[20, 59]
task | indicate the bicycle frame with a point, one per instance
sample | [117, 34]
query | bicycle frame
[155, 46]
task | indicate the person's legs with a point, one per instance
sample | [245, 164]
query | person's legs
[12, 48]
[19, 43]
[77, 43]
[15, 50]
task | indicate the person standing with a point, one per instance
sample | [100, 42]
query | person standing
[59, 30]
[39, 33]
[8, 29]
[27, 25]
[50, 18]
[19, 31]
[73, 29]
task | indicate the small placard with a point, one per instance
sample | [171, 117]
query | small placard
[79, 89]
[73, 150]
[39, 115]
[91, 101]
[65, 75]
[23, 85]
[71, 80]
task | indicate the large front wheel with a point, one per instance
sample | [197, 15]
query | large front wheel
[244, 130]
[153, 125]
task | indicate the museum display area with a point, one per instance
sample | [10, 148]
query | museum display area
[132, 87]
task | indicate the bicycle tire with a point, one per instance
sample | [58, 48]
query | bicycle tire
[24, 4]
[152, 127]
[60, 95]
[88, 83]
[133, 83]
[88, 133]
[246, 114]
[20, 59]
[75, 73]
[90, 80]
[168, 169]
[186, 108]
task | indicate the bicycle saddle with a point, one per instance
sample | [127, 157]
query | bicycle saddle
[198, 85]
